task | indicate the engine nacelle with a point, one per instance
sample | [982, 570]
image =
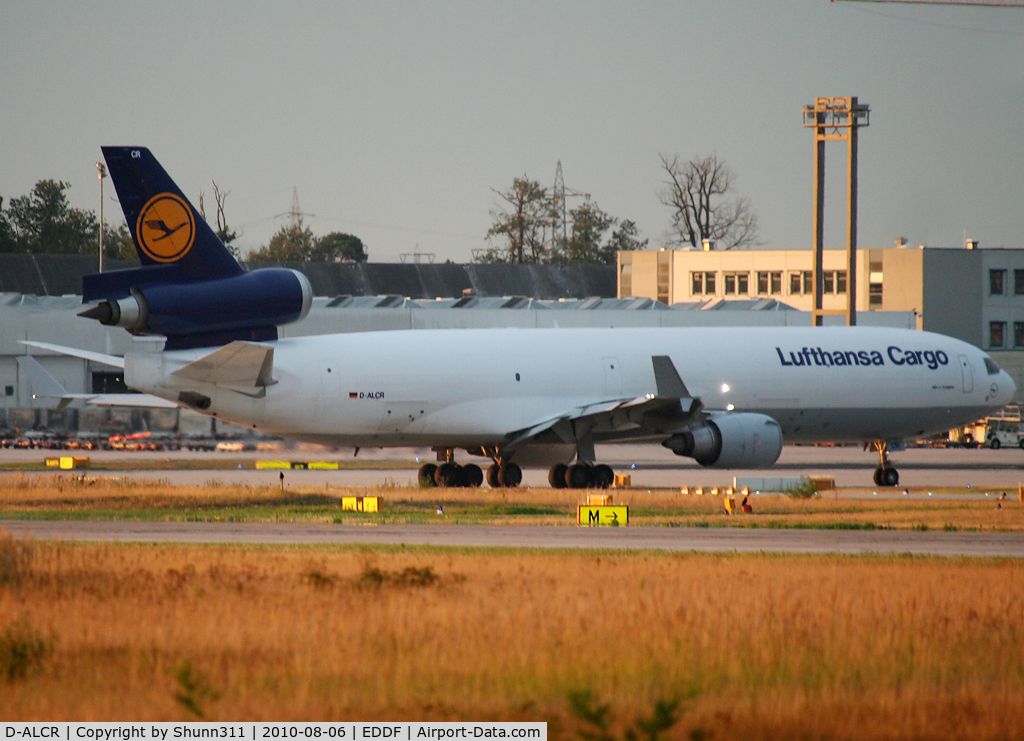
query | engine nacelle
[741, 440]
[263, 298]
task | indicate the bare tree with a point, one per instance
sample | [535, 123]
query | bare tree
[227, 236]
[695, 191]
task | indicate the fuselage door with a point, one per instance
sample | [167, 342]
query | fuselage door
[966, 374]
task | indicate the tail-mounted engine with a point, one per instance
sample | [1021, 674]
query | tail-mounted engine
[741, 440]
[195, 313]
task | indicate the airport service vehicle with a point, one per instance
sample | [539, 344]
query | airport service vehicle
[726, 397]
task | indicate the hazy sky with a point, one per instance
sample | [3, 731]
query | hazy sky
[396, 119]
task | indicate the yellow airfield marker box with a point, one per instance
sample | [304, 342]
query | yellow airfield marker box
[602, 515]
[67, 462]
[360, 504]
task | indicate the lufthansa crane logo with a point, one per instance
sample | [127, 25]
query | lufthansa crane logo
[166, 228]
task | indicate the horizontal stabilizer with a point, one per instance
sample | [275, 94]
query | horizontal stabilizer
[242, 364]
[43, 384]
[96, 357]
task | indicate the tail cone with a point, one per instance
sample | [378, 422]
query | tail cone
[101, 312]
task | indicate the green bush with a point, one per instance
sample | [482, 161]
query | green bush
[804, 489]
[22, 648]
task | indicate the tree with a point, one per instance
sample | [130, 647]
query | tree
[589, 224]
[339, 247]
[587, 243]
[624, 239]
[7, 241]
[293, 242]
[118, 243]
[225, 234]
[42, 222]
[520, 225]
[695, 191]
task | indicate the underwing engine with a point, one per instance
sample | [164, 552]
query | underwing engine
[741, 440]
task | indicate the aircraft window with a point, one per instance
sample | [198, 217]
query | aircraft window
[991, 367]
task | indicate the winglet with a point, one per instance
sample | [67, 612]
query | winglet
[666, 377]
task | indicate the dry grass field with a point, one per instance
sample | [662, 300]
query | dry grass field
[752, 647]
[105, 497]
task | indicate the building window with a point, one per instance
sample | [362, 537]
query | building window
[1018, 334]
[1018, 282]
[996, 281]
[840, 281]
[702, 283]
[736, 283]
[829, 281]
[996, 334]
[801, 282]
[769, 281]
[874, 294]
[626, 280]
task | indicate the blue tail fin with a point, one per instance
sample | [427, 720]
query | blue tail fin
[189, 289]
[166, 228]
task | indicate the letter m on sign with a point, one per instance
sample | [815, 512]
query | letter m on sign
[594, 517]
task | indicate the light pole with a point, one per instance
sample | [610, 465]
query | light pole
[102, 171]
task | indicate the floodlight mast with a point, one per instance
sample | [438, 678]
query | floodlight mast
[102, 173]
[835, 119]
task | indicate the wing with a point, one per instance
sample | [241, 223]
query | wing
[668, 409]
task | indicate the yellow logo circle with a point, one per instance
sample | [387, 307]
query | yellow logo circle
[166, 228]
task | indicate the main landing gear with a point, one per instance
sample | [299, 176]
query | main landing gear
[451, 474]
[886, 474]
[581, 476]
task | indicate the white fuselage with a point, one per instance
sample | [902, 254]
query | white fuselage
[458, 388]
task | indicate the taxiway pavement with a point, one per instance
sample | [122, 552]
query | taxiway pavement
[742, 540]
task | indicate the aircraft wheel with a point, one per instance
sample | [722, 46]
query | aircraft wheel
[603, 476]
[492, 476]
[556, 476]
[878, 476]
[472, 475]
[426, 474]
[890, 477]
[510, 475]
[579, 476]
[447, 474]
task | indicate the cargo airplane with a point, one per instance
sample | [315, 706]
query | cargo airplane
[726, 397]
